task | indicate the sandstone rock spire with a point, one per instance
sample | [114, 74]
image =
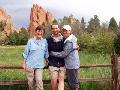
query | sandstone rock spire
[4, 17]
[38, 16]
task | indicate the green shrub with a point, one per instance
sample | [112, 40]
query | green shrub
[84, 40]
[3, 38]
[105, 41]
[117, 43]
[97, 42]
[20, 38]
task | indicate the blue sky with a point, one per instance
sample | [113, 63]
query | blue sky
[105, 9]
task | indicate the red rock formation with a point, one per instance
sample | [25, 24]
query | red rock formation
[3, 14]
[38, 16]
[4, 17]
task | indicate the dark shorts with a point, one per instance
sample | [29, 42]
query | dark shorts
[72, 77]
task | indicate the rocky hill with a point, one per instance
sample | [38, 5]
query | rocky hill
[39, 16]
[4, 17]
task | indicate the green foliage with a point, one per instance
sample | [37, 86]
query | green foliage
[117, 43]
[113, 25]
[55, 21]
[14, 38]
[94, 24]
[47, 30]
[76, 27]
[20, 38]
[23, 37]
[105, 41]
[82, 24]
[104, 26]
[84, 40]
[73, 22]
[3, 38]
[65, 20]
[98, 42]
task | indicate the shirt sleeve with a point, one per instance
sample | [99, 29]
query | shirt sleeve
[68, 47]
[26, 51]
[46, 51]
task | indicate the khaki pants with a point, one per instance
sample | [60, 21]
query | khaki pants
[58, 73]
[34, 77]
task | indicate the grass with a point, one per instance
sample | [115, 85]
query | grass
[13, 55]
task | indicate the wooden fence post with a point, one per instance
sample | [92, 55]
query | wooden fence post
[114, 62]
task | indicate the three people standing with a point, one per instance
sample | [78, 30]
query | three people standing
[63, 54]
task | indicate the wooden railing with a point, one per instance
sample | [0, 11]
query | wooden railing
[113, 79]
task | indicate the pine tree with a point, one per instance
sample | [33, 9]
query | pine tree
[82, 24]
[94, 24]
[113, 25]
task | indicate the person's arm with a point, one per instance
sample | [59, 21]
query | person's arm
[46, 55]
[46, 51]
[25, 54]
[68, 47]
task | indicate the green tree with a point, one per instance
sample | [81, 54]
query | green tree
[23, 37]
[20, 38]
[113, 25]
[82, 24]
[3, 39]
[93, 24]
[73, 22]
[55, 21]
[104, 26]
[76, 27]
[117, 44]
[14, 38]
[65, 20]
[47, 30]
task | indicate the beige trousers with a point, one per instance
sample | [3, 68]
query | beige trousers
[34, 77]
[58, 73]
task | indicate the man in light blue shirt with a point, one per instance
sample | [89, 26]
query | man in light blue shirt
[35, 54]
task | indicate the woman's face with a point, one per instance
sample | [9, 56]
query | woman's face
[66, 33]
[39, 33]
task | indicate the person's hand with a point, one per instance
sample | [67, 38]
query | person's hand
[23, 65]
[77, 48]
[46, 62]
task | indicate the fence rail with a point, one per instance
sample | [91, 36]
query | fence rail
[113, 79]
[81, 66]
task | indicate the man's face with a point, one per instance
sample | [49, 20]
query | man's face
[39, 33]
[54, 29]
[66, 33]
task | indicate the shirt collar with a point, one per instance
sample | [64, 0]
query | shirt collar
[59, 38]
[68, 38]
[37, 39]
[58, 35]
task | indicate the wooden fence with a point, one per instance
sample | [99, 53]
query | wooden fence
[114, 70]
